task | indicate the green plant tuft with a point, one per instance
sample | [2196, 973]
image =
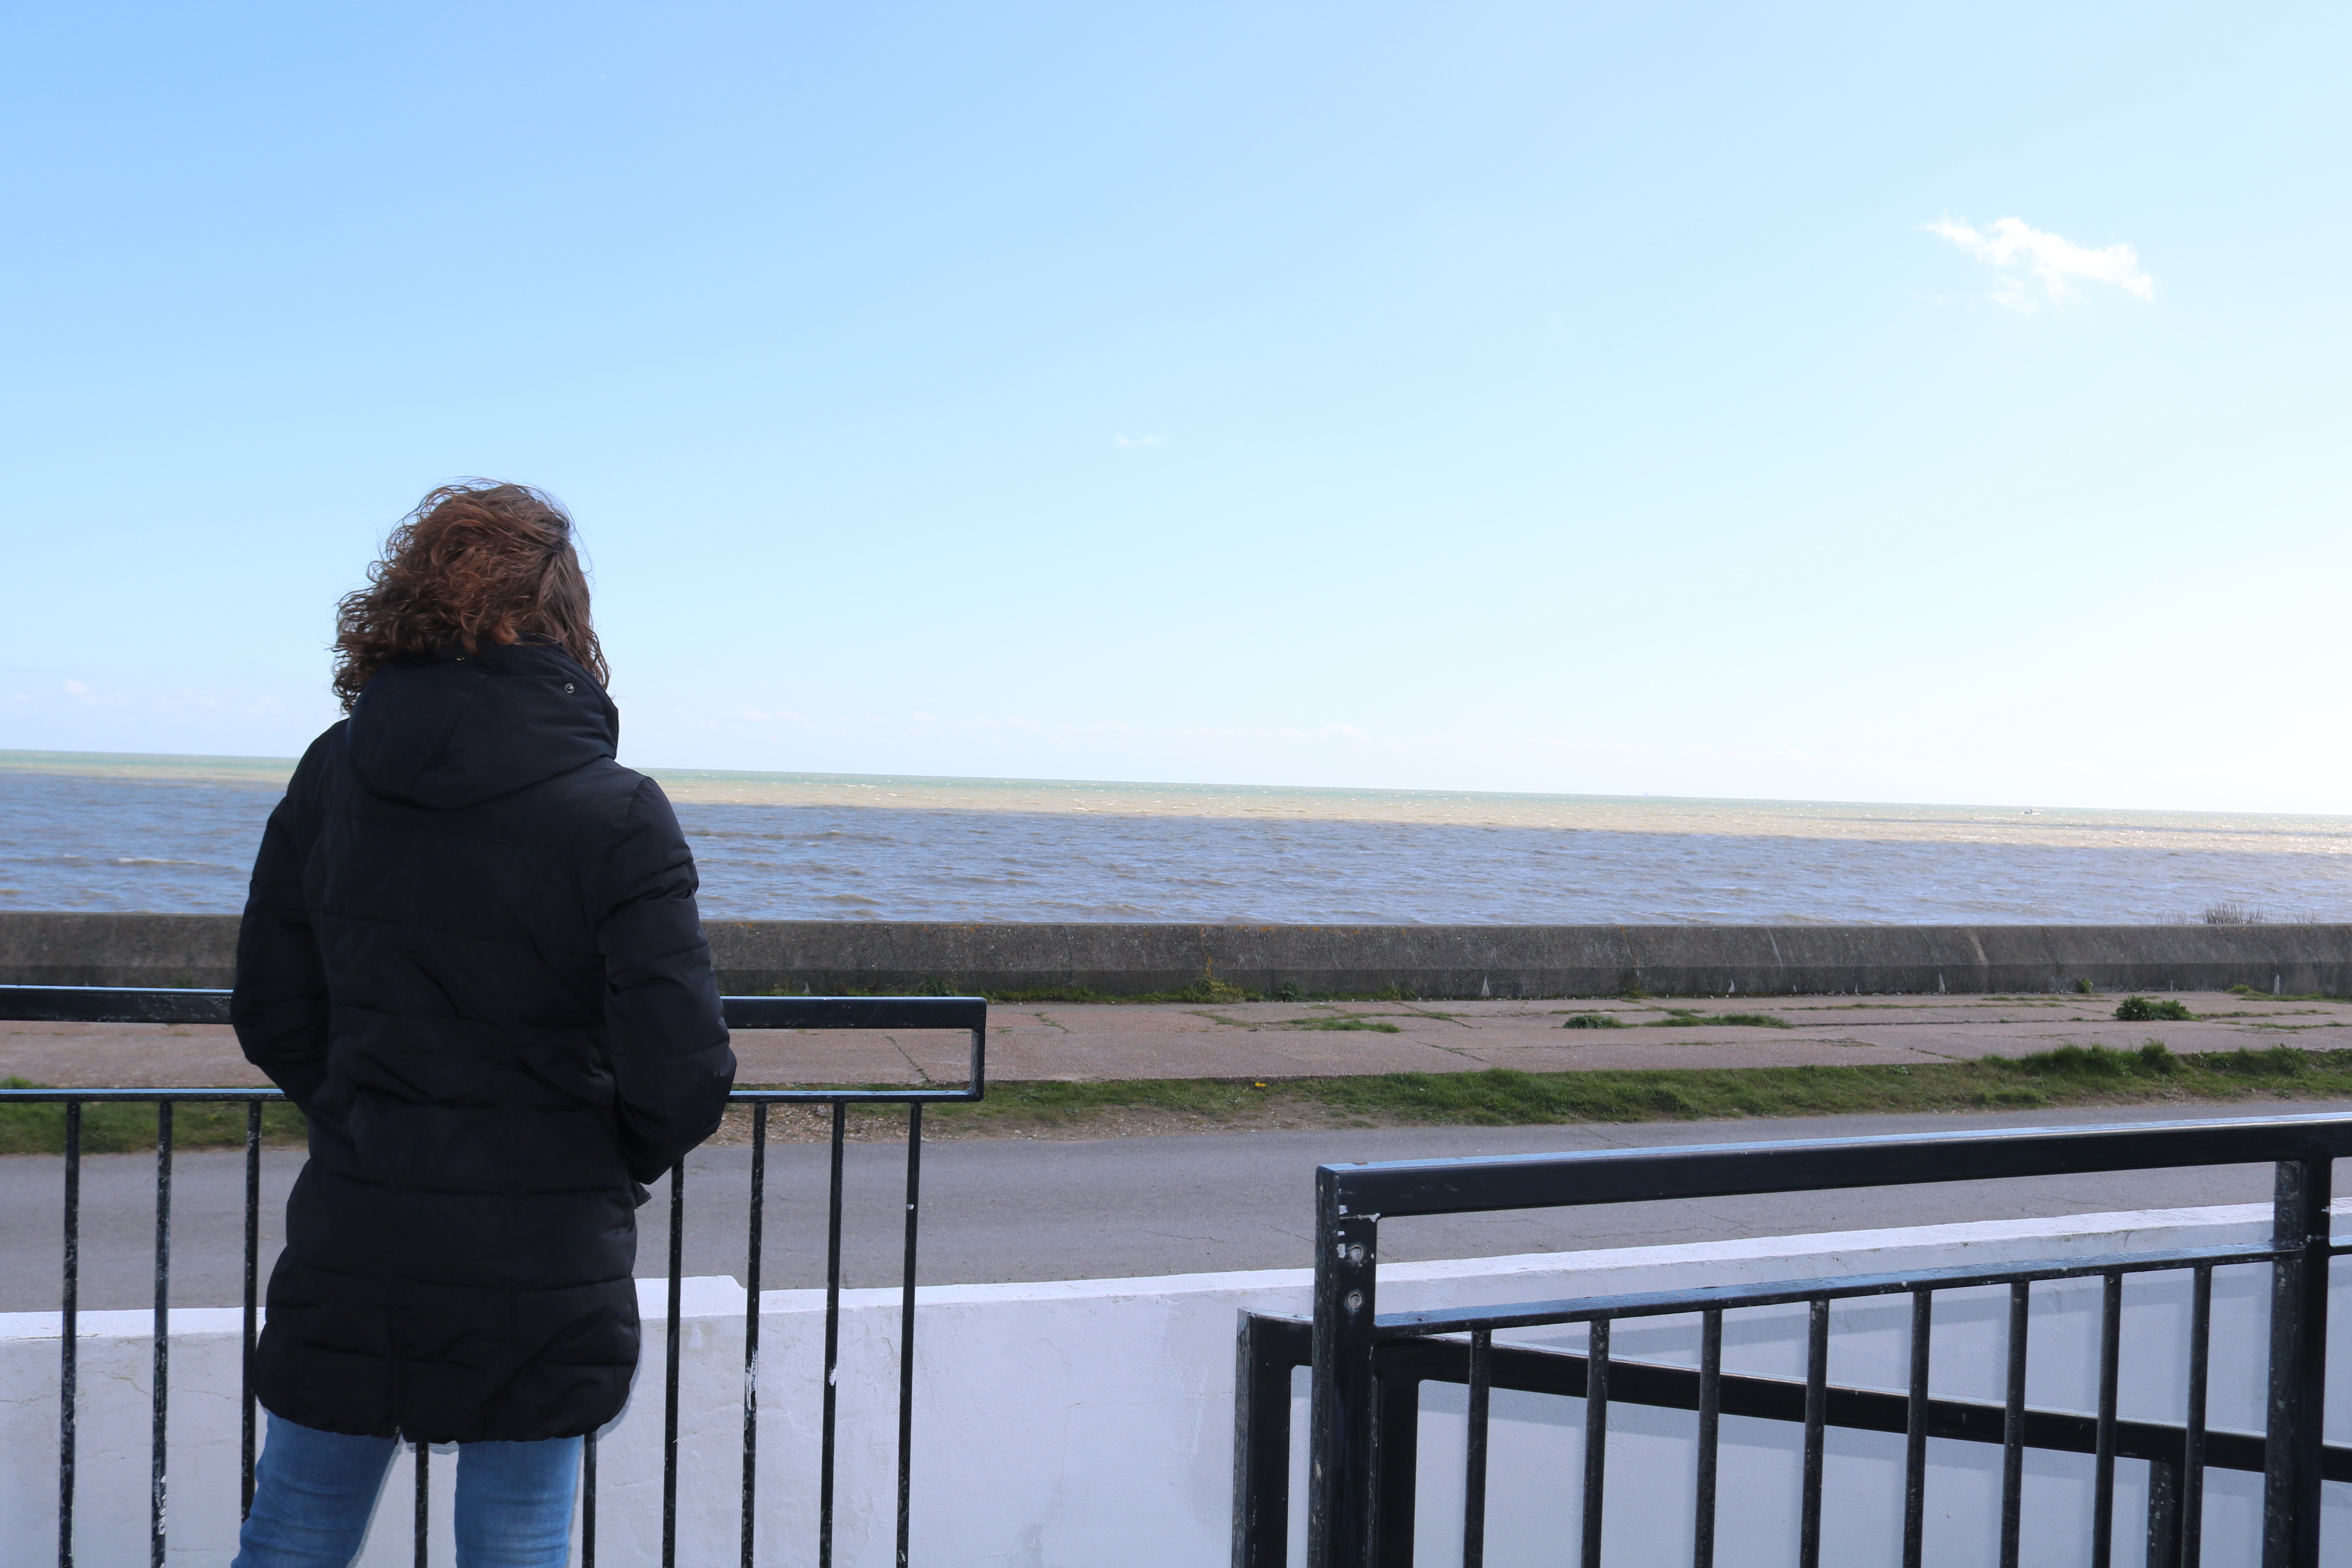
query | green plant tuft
[2279, 1061]
[2080, 1061]
[2149, 1009]
[1593, 1021]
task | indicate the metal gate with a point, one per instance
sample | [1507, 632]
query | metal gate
[1369, 1367]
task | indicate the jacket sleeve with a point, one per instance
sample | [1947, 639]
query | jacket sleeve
[671, 1063]
[279, 1008]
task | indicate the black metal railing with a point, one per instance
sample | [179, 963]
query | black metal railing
[1367, 1368]
[93, 1005]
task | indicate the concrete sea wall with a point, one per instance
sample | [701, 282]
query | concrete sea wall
[1431, 961]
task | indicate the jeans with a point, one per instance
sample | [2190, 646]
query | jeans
[313, 1492]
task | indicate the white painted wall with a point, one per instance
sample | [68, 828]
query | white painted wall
[1078, 1424]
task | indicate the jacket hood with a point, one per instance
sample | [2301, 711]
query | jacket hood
[462, 728]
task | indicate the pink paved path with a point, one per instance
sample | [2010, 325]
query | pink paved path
[1276, 1039]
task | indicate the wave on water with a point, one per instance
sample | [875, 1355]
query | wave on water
[136, 832]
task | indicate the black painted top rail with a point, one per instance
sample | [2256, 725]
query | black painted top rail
[1391, 1188]
[142, 1004]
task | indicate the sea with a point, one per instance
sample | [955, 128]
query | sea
[109, 831]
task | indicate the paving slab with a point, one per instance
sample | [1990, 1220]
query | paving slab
[1030, 1043]
[126, 1056]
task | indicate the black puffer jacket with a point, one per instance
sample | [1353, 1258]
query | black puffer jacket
[471, 955]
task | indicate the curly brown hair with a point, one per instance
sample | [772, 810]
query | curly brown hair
[478, 561]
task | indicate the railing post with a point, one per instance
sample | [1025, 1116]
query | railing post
[1339, 1446]
[2298, 1366]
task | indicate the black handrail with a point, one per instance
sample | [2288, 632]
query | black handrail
[1394, 1188]
[76, 1004]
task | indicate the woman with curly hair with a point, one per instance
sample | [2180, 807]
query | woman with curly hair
[471, 956]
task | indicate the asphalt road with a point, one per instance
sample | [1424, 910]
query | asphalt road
[1012, 1209]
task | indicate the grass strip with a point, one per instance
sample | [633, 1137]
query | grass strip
[121, 1128]
[1499, 1097]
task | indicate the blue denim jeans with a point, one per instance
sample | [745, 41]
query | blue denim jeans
[313, 1492]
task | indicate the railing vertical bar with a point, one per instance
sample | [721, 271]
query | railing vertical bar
[1914, 1431]
[1596, 1439]
[2013, 1425]
[831, 1342]
[158, 1480]
[70, 1336]
[670, 1337]
[245, 1405]
[1262, 1433]
[2103, 1463]
[752, 1246]
[1396, 1471]
[1710, 1424]
[1817, 1375]
[2293, 1428]
[424, 1527]
[1474, 1466]
[2193, 1441]
[588, 1501]
[907, 1329]
[2163, 1546]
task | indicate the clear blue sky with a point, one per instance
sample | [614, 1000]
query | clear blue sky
[1473, 396]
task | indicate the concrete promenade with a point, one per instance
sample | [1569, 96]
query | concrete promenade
[1274, 1040]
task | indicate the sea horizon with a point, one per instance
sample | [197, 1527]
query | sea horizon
[1154, 797]
[159, 830]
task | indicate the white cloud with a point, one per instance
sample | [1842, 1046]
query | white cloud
[2047, 259]
[1132, 442]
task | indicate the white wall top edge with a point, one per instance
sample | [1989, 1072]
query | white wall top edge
[720, 1295]
[2115, 1231]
